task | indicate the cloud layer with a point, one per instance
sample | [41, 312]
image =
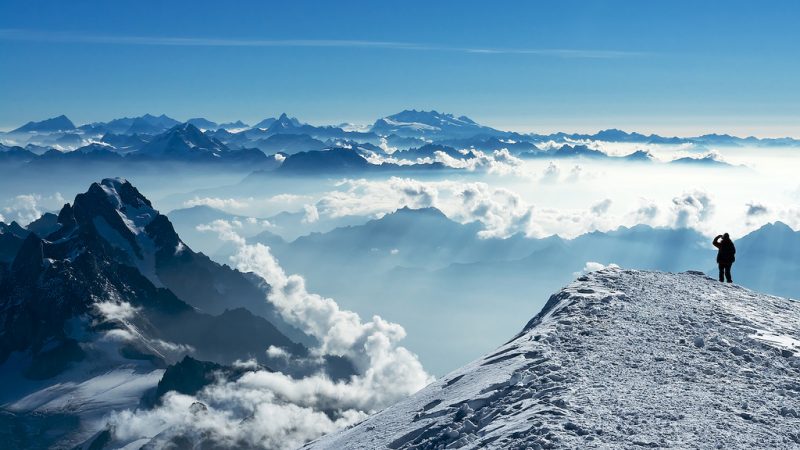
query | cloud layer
[271, 409]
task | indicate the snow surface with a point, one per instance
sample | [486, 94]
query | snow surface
[412, 125]
[617, 359]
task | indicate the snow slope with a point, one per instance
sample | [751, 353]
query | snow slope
[617, 359]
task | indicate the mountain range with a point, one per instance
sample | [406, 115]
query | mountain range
[404, 130]
[409, 142]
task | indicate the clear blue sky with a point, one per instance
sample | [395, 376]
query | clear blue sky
[673, 67]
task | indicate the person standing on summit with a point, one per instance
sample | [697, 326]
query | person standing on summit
[725, 256]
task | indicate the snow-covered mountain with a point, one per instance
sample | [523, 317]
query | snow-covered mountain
[617, 359]
[429, 123]
[183, 139]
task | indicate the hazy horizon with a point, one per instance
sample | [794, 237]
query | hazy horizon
[516, 124]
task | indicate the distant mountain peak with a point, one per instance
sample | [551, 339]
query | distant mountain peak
[183, 138]
[201, 122]
[59, 123]
[13, 228]
[284, 122]
[233, 125]
[777, 226]
[428, 211]
[640, 155]
[411, 122]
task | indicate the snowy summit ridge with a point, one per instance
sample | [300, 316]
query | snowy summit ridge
[617, 359]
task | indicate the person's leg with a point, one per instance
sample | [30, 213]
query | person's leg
[721, 272]
[728, 272]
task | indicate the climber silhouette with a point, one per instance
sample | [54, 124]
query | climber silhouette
[725, 256]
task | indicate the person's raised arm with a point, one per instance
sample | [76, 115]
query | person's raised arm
[715, 242]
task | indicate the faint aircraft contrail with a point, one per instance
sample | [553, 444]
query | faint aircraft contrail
[69, 37]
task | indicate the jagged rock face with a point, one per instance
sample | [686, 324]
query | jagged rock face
[11, 238]
[44, 225]
[111, 245]
[189, 376]
[618, 359]
[51, 283]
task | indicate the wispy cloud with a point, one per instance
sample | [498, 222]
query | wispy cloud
[70, 37]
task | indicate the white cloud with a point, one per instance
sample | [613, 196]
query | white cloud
[500, 162]
[289, 199]
[246, 413]
[26, 208]
[575, 174]
[271, 409]
[592, 266]
[123, 312]
[216, 202]
[277, 352]
[551, 173]
[311, 214]
[166, 347]
[601, 208]
[118, 335]
[384, 145]
[647, 212]
[501, 211]
[756, 209]
[225, 230]
[116, 310]
[691, 209]
[257, 223]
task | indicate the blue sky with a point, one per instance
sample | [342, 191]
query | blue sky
[677, 67]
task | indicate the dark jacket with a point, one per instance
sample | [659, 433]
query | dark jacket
[727, 251]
